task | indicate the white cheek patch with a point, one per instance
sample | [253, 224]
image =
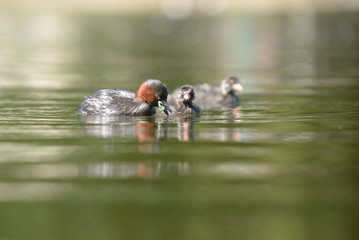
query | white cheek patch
[160, 106]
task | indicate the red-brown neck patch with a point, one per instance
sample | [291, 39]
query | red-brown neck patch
[145, 93]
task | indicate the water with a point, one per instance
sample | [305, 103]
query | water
[282, 165]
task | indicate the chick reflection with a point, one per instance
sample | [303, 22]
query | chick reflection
[230, 131]
[144, 128]
[236, 119]
[185, 128]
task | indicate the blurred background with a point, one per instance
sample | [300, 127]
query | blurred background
[282, 165]
[107, 42]
[180, 9]
[64, 43]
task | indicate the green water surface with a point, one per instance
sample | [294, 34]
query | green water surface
[282, 165]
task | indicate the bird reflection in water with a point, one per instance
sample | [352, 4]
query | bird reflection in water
[126, 127]
[228, 130]
[232, 131]
[236, 119]
[185, 128]
[147, 131]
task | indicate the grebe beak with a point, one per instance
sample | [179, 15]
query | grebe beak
[163, 106]
[238, 87]
[187, 96]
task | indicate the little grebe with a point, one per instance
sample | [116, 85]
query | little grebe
[150, 94]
